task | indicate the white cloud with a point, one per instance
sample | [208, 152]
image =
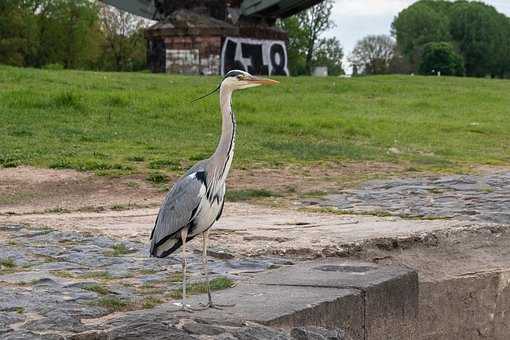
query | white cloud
[369, 7]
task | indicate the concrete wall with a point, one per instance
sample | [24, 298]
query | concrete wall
[193, 54]
[475, 306]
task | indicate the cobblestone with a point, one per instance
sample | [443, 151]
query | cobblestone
[481, 198]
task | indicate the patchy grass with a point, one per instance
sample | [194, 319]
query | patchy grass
[219, 283]
[119, 249]
[7, 263]
[151, 302]
[248, 194]
[377, 213]
[314, 194]
[7, 266]
[103, 275]
[120, 207]
[96, 288]
[63, 273]
[115, 304]
[157, 177]
[112, 303]
[93, 121]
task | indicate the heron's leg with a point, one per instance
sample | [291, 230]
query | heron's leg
[205, 236]
[184, 236]
[205, 241]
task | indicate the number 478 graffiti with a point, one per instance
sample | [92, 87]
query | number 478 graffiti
[268, 57]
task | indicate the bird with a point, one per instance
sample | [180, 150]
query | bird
[195, 201]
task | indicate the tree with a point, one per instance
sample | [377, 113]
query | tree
[124, 43]
[40, 32]
[374, 54]
[296, 46]
[423, 22]
[16, 39]
[304, 31]
[330, 53]
[475, 29]
[441, 57]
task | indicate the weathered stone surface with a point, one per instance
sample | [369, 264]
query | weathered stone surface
[389, 294]
[483, 198]
[316, 333]
[55, 280]
[200, 328]
[292, 306]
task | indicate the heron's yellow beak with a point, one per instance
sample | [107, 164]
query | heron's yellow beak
[262, 81]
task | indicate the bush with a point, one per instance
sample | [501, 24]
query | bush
[441, 57]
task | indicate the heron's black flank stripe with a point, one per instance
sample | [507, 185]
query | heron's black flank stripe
[194, 213]
[153, 229]
[201, 176]
[221, 210]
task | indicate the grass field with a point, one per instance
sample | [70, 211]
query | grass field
[134, 122]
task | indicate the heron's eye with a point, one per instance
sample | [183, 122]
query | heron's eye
[240, 77]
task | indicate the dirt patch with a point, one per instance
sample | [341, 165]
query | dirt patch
[28, 190]
[299, 180]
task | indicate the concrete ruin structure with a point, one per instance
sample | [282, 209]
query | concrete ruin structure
[215, 36]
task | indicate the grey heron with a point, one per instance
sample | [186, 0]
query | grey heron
[195, 202]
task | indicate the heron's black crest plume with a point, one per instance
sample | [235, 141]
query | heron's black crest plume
[207, 95]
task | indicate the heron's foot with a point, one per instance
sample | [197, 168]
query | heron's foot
[212, 305]
[184, 308]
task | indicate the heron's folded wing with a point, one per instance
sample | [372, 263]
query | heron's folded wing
[178, 208]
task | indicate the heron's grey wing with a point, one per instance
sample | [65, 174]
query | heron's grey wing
[177, 211]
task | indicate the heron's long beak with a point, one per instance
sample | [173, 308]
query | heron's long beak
[262, 81]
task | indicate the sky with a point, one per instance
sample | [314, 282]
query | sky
[356, 19]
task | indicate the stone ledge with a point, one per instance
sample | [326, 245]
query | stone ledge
[366, 300]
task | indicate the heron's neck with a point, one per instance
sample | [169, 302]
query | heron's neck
[222, 157]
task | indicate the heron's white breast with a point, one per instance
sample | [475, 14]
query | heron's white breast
[208, 211]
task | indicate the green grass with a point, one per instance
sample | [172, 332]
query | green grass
[96, 288]
[249, 194]
[112, 303]
[7, 263]
[124, 123]
[7, 266]
[97, 275]
[218, 283]
[119, 249]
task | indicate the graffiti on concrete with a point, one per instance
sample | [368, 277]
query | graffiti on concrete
[266, 57]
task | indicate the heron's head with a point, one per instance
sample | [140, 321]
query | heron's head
[239, 80]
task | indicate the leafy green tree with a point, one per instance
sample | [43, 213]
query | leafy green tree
[475, 30]
[16, 27]
[424, 22]
[441, 57]
[304, 31]
[40, 32]
[296, 46]
[330, 54]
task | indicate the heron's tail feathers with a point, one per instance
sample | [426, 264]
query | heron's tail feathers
[166, 248]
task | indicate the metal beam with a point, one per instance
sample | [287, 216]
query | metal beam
[143, 8]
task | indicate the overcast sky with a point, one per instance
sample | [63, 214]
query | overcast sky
[355, 19]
